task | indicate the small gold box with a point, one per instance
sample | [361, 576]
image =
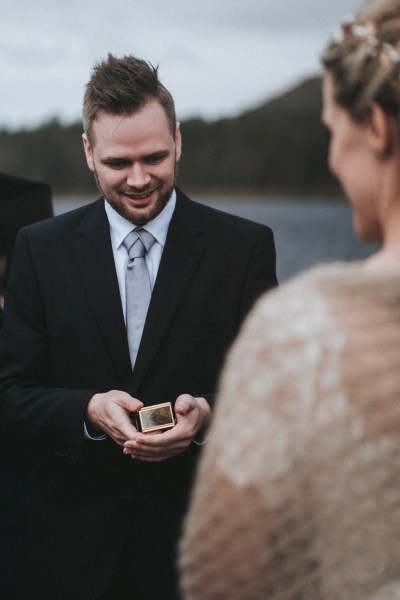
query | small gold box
[155, 418]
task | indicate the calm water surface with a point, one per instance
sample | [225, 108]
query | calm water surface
[306, 232]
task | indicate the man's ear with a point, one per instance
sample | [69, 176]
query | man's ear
[88, 152]
[178, 142]
[382, 130]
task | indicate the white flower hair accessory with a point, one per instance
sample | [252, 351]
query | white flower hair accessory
[349, 27]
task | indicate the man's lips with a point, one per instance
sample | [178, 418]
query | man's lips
[138, 198]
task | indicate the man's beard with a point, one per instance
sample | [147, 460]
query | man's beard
[139, 219]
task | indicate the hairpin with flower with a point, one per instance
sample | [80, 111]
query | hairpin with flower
[349, 28]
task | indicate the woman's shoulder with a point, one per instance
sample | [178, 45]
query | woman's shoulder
[317, 309]
[335, 285]
[306, 295]
[325, 276]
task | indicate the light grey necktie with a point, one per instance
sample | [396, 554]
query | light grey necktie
[138, 287]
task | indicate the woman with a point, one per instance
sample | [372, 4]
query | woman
[298, 493]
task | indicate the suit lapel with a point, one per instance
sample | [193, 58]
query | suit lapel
[95, 261]
[183, 249]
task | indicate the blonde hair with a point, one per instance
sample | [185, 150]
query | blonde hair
[364, 61]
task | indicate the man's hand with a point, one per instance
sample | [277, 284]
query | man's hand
[192, 414]
[109, 413]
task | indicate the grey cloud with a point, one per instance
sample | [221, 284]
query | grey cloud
[204, 48]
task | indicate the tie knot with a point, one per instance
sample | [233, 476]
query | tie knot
[138, 242]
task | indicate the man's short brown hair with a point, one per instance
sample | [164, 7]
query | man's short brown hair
[122, 86]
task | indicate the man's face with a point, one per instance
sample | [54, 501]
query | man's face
[134, 160]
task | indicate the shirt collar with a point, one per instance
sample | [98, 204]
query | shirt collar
[158, 227]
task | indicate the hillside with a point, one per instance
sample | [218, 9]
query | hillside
[278, 147]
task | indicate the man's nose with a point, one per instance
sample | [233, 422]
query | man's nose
[138, 177]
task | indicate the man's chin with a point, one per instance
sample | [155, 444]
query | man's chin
[141, 215]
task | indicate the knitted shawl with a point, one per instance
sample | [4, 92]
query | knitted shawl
[297, 495]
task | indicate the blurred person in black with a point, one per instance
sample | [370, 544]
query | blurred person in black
[21, 202]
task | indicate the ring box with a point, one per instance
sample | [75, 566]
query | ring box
[157, 417]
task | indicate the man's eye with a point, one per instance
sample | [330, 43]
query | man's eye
[116, 165]
[153, 160]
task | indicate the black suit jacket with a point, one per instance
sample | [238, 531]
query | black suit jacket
[21, 202]
[63, 304]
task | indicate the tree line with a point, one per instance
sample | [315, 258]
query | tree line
[279, 147]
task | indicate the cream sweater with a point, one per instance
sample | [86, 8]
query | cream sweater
[298, 491]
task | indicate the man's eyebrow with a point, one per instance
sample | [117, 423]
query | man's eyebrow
[114, 159]
[165, 152]
[124, 159]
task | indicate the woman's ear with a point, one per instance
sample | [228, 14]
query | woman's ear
[383, 130]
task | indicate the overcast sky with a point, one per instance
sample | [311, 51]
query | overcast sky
[217, 57]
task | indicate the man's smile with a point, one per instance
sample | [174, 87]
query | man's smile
[138, 197]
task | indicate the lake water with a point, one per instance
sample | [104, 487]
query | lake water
[306, 232]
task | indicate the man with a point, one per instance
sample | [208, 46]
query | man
[109, 500]
[21, 202]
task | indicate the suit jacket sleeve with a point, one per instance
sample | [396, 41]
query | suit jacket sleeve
[262, 271]
[261, 277]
